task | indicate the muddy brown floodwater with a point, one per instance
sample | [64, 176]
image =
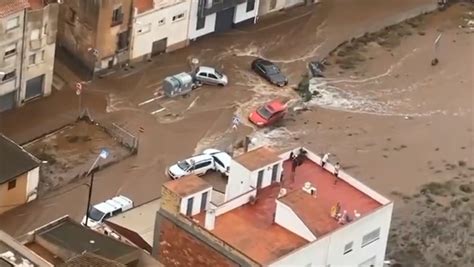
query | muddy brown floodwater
[69, 152]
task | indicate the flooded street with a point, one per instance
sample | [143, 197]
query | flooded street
[393, 121]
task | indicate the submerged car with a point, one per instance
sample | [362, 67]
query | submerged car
[269, 71]
[208, 75]
[268, 114]
[101, 211]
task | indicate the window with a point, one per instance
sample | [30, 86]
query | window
[32, 59]
[11, 184]
[219, 162]
[348, 247]
[189, 208]
[13, 23]
[72, 15]
[202, 165]
[161, 22]
[204, 201]
[115, 212]
[250, 5]
[42, 55]
[203, 74]
[35, 34]
[201, 21]
[212, 76]
[10, 50]
[144, 28]
[8, 76]
[371, 237]
[122, 42]
[117, 16]
[178, 17]
[45, 28]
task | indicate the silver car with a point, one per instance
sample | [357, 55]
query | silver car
[208, 75]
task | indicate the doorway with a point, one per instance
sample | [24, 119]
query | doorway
[159, 47]
[225, 20]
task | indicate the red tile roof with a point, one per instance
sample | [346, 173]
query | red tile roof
[187, 185]
[251, 228]
[315, 212]
[143, 5]
[9, 7]
[258, 158]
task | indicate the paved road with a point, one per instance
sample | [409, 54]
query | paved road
[177, 128]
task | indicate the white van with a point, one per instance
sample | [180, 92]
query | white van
[99, 212]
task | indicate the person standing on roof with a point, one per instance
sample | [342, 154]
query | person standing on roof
[325, 159]
[337, 167]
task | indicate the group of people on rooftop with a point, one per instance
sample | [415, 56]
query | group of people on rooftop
[298, 159]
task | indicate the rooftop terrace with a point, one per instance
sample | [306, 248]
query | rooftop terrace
[251, 228]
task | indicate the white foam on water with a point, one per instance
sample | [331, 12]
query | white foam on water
[117, 103]
[280, 137]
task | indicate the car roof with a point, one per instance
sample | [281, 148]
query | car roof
[206, 69]
[276, 105]
[113, 204]
[200, 157]
[264, 62]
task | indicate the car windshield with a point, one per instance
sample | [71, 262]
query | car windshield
[218, 74]
[264, 112]
[183, 165]
[272, 69]
[96, 214]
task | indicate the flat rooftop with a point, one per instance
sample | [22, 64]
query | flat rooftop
[187, 185]
[257, 158]
[251, 228]
[140, 219]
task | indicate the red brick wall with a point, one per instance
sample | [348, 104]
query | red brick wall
[179, 248]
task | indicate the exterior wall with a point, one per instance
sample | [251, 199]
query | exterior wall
[267, 175]
[234, 203]
[241, 13]
[32, 184]
[286, 218]
[12, 62]
[179, 248]
[238, 181]
[329, 249]
[170, 201]
[209, 24]
[266, 5]
[176, 32]
[14, 197]
[92, 28]
[196, 202]
[44, 23]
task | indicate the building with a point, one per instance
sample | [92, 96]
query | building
[13, 253]
[19, 175]
[65, 242]
[27, 46]
[134, 226]
[208, 16]
[272, 216]
[95, 32]
[159, 26]
[269, 6]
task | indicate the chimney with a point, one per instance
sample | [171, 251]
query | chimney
[210, 219]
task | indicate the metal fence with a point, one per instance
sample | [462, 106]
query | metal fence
[122, 135]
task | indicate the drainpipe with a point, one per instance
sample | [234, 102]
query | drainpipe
[22, 55]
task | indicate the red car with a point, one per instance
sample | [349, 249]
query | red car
[268, 113]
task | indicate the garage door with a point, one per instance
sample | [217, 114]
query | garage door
[34, 87]
[225, 20]
[159, 47]
[7, 101]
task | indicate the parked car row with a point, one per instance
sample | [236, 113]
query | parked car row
[208, 160]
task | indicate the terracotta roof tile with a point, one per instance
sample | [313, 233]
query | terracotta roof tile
[9, 7]
[258, 158]
[187, 185]
[143, 5]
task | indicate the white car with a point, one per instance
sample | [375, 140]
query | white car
[221, 160]
[208, 75]
[99, 212]
[199, 165]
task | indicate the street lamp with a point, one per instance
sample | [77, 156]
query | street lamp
[104, 153]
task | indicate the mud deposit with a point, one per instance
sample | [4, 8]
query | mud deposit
[69, 153]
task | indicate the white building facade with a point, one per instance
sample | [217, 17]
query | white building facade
[208, 16]
[269, 6]
[163, 28]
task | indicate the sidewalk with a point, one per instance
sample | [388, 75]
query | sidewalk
[140, 177]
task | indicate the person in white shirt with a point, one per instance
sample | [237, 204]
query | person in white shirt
[337, 167]
[325, 159]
